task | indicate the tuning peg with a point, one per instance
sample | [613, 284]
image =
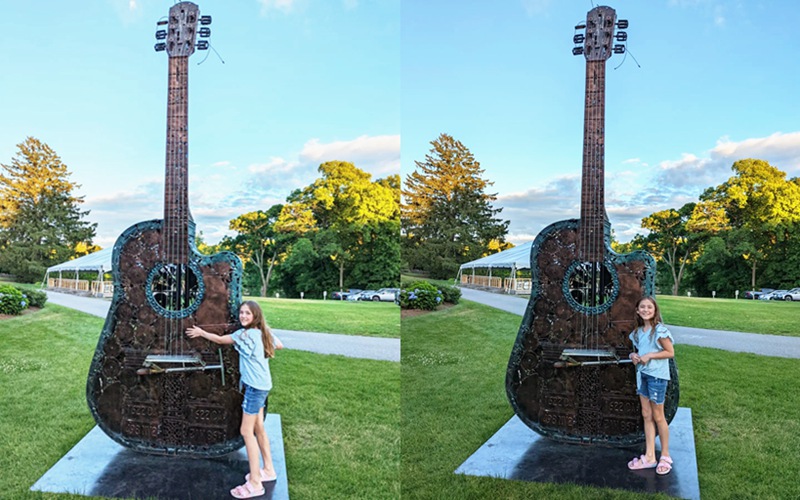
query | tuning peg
[622, 24]
[619, 49]
[204, 20]
[578, 38]
[202, 45]
[162, 22]
[204, 32]
[161, 34]
[580, 27]
[576, 51]
[621, 36]
[160, 46]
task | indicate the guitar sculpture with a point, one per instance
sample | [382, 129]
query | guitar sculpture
[151, 388]
[569, 377]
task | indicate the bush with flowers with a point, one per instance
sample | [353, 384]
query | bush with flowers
[12, 301]
[420, 295]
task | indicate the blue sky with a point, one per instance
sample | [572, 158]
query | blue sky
[718, 82]
[304, 82]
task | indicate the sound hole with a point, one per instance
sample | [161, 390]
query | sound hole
[175, 290]
[591, 287]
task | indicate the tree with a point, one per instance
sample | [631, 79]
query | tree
[40, 222]
[257, 242]
[447, 218]
[344, 214]
[671, 241]
[756, 211]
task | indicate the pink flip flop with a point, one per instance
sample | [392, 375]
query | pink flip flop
[640, 462]
[664, 466]
[246, 491]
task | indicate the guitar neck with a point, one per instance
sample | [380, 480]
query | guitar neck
[176, 188]
[593, 172]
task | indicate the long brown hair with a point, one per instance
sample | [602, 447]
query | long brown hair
[260, 323]
[640, 322]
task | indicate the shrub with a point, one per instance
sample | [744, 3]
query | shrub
[450, 293]
[11, 300]
[420, 295]
[36, 298]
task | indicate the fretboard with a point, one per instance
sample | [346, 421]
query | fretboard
[591, 246]
[176, 188]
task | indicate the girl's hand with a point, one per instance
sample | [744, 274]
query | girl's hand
[194, 332]
[644, 359]
[635, 358]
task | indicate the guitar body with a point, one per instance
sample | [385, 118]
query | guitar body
[591, 404]
[192, 412]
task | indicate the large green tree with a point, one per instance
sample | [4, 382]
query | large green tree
[348, 220]
[40, 221]
[257, 243]
[447, 215]
[671, 241]
[756, 212]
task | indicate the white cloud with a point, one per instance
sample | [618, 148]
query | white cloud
[284, 6]
[378, 155]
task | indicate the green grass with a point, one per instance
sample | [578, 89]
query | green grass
[340, 415]
[375, 319]
[746, 413]
[775, 317]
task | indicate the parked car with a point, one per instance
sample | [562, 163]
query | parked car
[365, 295]
[753, 294]
[793, 294]
[386, 295]
[773, 295]
[343, 295]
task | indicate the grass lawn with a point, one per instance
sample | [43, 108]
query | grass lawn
[755, 316]
[375, 319]
[746, 416]
[340, 415]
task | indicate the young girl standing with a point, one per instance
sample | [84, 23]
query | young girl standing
[652, 342]
[255, 345]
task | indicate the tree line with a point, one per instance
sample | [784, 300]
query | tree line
[741, 235]
[340, 231]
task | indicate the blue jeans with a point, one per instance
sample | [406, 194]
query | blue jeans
[253, 400]
[654, 389]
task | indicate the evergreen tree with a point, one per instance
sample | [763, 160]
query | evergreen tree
[447, 217]
[40, 222]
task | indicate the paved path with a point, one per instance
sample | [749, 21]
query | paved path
[767, 345]
[354, 346]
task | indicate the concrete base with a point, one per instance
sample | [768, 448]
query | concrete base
[517, 452]
[99, 466]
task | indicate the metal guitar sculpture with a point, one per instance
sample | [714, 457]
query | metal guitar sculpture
[568, 377]
[149, 387]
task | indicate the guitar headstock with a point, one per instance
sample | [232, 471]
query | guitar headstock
[598, 40]
[182, 31]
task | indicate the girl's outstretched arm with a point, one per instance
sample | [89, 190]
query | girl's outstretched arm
[668, 352]
[278, 343]
[195, 331]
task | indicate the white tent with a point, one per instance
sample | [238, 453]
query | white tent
[99, 262]
[515, 259]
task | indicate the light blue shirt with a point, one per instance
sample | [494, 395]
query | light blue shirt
[253, 364]
[658, 368]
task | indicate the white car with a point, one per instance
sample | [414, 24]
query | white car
[793, 294]
[386, 295]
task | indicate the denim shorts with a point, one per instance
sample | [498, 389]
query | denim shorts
[654, 389]
[253, 400]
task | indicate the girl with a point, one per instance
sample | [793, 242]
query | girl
[653, 344]
[255, 344]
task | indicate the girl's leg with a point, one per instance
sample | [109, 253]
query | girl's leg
[263, 444]
[663, 427]
[649, 429]
[251, 446]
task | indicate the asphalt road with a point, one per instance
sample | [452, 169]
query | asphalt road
[756, 343]
[354, 346]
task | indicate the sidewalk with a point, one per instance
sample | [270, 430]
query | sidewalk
[354, 346]
[765, 345]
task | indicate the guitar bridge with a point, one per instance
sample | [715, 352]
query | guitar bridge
[150, 364]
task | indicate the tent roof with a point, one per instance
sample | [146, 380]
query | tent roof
[97, 261]
[518, 257]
